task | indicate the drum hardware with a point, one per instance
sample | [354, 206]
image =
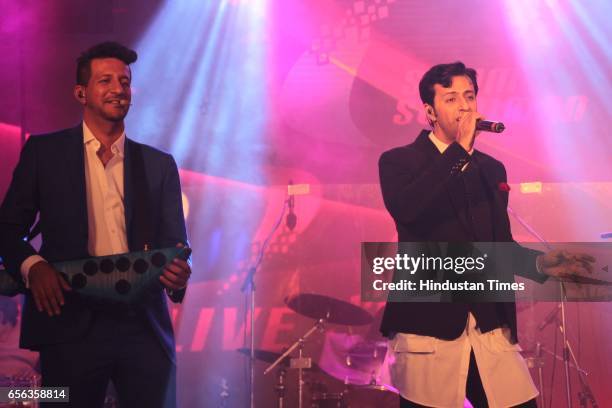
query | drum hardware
[271, 357]
[280, 386]
[535, 359]
[327, 400]
[324, 310]
[353, 360]
[300, 363]
[585, 393]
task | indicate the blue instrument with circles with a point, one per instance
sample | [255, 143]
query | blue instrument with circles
[119, 278]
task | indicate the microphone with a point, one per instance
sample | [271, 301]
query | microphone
[291, 220]
[292, 191]
[490, 126]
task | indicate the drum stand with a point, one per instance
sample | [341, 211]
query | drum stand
[585, 394]
[280, 387]
[300, 363]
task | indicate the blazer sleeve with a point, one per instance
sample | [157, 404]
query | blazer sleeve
[172, 225]
[407, 191]
[18, 211]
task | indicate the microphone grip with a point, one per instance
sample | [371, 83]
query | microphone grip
[489, 126]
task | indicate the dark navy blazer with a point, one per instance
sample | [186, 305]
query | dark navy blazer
[49, 180]
[423, 191]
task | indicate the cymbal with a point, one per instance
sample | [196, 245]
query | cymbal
[270, 357]
[324, 307]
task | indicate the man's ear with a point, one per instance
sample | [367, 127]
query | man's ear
[430, 112]
[79, 94]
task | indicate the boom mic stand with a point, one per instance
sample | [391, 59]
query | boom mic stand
[248, 287]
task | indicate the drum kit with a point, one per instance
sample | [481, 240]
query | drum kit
[352, 364]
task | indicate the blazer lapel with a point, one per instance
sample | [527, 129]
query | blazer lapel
[127, 190]
[137, 204]
[75, 174]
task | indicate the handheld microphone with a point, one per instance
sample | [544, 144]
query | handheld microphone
[490, 126]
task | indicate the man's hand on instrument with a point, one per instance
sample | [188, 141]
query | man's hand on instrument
[47, 286]
[565, 265]
[176, 274]
[466, 130]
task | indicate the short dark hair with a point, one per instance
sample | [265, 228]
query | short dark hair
[443, 74]
[108, 49]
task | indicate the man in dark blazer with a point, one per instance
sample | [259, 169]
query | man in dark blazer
[439, 189]
[96, 193]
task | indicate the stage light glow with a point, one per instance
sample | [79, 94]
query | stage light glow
[201, 86]
[560, 46]
[201, 96]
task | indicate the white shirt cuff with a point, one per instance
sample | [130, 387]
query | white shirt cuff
[26, 265]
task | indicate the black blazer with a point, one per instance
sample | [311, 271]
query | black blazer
[49, 180]
[423, 191]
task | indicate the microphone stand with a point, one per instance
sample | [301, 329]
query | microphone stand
[248, 288]
[567, 351]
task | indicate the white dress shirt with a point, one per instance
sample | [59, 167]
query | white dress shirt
[105, 206]
[433, 372]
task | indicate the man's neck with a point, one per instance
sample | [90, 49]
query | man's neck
[441, 136]
[106, 132]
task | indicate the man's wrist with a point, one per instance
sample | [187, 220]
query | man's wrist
[27, 265]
